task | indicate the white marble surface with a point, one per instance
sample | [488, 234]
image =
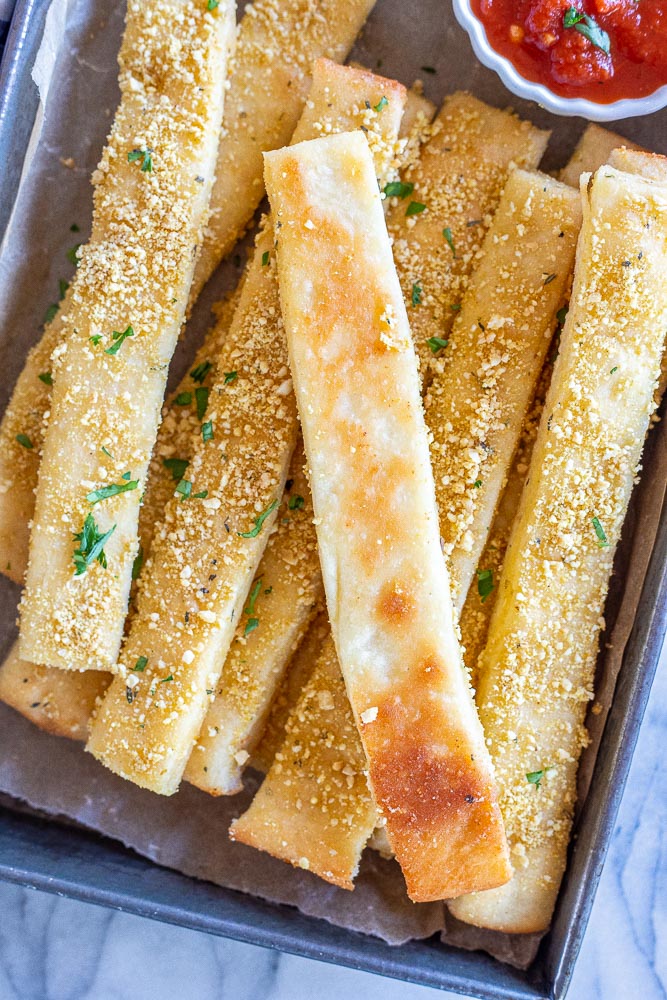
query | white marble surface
[58, 949]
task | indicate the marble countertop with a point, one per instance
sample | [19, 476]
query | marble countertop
[59, 949]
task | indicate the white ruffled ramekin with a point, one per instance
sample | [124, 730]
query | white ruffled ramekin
[626, 108]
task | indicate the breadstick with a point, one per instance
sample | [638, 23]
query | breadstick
[284, 598]
[316, 781]
[181, 425]
[356, 380]
[340, 98]
[278, 42]
[127, 305]
[220, 537]
[57, 701]
[481, 598]
[205, 549]
[21, 436]
[591, 152]
[299, 670]
[484, 379]
[537, 670]
[636, 161]
[269, 78]
[445, 206]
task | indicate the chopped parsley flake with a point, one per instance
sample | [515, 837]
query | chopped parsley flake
[398, 189]
[118, 339]
[74, 228]
[207, 431]
[456, 307]
[254, 594]
[614, 369]
[484, 583]
[199, 372]
[72, 254]
[416, 295]
[259, 522]
[265, 258]
[107, 453]
[95, 339]
[231, 377]
[477, 483]
[166, 680]
[46, 378]
[600, 532]
[296, 502]
[436, 344]
[183, 399]
[382, 104]
[588, 27]
[62, 287]
[201, 396]
[415, 208]
[212, 4]
[140, 665]
[176, 466]
[184, 488]
[535, 777]
[25, 441]
[561, 316]
[91, 546]
[112, 490]
[251, 625]
[146, 157]
[449, 239]
[51, 312]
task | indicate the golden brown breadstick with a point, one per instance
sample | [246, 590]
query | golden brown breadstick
[592, 150]
[316, 780]
[481, 597]
[355, 375]
[57, 701]
[483, 380]
[298, 672]
[278, 43]
[536, 672]
[445, 204]
[125, 309]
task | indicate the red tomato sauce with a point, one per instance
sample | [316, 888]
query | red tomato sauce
[603, 50]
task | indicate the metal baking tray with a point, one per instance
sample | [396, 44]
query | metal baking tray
[67, 860]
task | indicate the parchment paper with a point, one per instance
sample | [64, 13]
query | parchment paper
[76, 76]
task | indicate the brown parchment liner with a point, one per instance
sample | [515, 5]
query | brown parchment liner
[75, 73]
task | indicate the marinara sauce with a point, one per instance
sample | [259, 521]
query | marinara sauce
[603, 50]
